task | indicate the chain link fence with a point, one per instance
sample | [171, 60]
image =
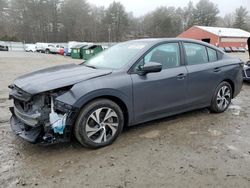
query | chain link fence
[19, 46]
[13, 46]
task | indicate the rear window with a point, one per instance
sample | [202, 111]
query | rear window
[212, 55]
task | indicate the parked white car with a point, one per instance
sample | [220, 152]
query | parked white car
[53, 49]
[41, 47]
[30, 47]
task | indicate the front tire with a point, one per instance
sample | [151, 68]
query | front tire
[222, 98]
[99, 123]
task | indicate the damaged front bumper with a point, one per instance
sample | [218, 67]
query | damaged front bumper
[41, 134]
[44, 124]
[30, 134]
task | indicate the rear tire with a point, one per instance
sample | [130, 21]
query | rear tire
[99, 123]
[221, 98]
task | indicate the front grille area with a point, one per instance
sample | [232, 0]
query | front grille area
[25, 115]
[34, 112]
[30, 120]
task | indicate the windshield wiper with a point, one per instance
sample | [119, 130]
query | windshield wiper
[90, 66]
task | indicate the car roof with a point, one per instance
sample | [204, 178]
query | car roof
[159, 40]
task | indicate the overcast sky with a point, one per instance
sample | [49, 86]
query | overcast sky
[140, 7]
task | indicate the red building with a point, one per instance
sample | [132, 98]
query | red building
[219, 36]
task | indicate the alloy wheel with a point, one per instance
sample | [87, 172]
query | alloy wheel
[223, 97]
[101, 125]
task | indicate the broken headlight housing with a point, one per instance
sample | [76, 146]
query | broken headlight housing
[63, 107]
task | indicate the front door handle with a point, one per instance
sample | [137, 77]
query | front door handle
[181, 76]
[217, 69]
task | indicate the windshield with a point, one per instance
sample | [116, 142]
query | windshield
[117, 56]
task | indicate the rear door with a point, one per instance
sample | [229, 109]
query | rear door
[204, 73]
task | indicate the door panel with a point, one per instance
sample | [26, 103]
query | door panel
[159, 93]
[202, 80]
[203, 74]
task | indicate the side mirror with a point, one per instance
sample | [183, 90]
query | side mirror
[150, 67]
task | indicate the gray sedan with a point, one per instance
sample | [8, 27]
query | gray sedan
[130, 83]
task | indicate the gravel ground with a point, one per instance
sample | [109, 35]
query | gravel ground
[194, 149]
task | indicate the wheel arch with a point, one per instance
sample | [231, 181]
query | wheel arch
[228, 80]
[231, 84]
[116, 97]
[119, 102]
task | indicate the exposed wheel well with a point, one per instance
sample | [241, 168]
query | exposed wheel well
[119, 102]
[231, 84]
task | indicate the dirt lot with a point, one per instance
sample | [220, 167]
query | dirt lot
[195, 149]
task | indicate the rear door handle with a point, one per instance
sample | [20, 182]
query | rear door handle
[181, 76]
[217, 69]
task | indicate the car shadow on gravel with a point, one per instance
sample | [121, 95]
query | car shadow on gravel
[136, 129]
[246, 83]
[168, 119]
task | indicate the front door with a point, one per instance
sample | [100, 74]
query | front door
[158, 94]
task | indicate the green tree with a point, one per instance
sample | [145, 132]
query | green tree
[20, 18]
[30, 20]
[205, 13]
[76, 20]
[3, 5]
[135, 27]
[3, 16]
[228, 20]
[116, 21]
[241, 15]
[54, 19]
[163, 22]
[98, 30]
[188, 15]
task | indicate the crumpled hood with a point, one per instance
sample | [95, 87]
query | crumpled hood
[57, 77]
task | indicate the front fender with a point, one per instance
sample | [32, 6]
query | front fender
[119, 87]
[102, 93]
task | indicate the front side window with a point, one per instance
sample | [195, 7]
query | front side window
[212, 55]
[195, 53]
[166, 54]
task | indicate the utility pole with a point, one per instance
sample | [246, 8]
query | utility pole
[219, 32]
[109, 30]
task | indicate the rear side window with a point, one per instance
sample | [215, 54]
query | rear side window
[212, 55]
[196, 54]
